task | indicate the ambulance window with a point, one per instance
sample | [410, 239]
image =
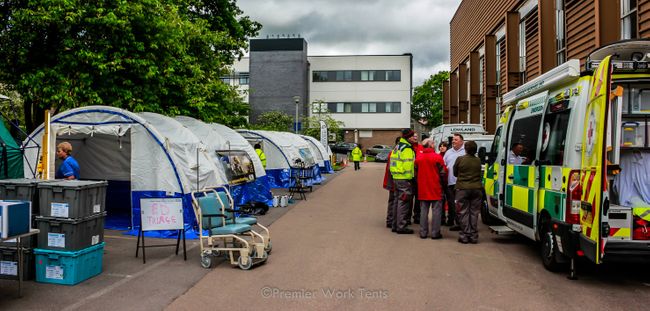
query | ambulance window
[554, 138]
[526, 131]
[496, 142]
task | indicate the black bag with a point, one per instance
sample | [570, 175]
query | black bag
[254, 208]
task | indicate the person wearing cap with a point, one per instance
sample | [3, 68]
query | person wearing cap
[402, 169]
[389, 185]
[69, 168]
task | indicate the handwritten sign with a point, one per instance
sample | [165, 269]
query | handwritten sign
[161, 214]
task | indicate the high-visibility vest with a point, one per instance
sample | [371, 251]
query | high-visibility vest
[402, 161]
[262, 156]
[356, 154]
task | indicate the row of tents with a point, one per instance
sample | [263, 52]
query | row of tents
[148, 155]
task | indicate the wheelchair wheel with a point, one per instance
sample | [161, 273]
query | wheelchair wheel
[206, 261]
[248, 265]
[269, 247]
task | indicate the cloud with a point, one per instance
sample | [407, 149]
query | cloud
[343, 27]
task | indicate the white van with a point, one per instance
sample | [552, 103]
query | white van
[446, 131]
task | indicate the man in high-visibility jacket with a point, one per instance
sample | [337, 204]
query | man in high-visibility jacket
[402, 169]
[260, 153]
[356, 157]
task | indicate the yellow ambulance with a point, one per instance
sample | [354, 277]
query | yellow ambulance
[570, 161]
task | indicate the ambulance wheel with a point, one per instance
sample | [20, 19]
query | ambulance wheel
[242, 265]
[206, 261]
[549, 249]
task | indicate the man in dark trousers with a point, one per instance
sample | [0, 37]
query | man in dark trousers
[451, 155]
[402, 169]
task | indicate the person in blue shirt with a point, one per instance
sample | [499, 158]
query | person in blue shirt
[69, 169]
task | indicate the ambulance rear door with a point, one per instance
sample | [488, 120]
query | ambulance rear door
[593, 175]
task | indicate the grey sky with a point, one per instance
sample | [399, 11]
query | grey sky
[347, 27]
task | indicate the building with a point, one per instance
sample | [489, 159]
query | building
[496, 48]
[370, 94]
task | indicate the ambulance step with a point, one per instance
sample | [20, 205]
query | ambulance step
[502, 230]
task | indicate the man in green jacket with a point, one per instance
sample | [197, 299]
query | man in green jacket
[356, 157]
[402, 169]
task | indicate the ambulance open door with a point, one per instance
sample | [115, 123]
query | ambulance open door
[593, 175]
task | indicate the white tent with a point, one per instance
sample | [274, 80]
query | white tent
[143, 155]
[321, 153]
[218, 138]
[283, 150]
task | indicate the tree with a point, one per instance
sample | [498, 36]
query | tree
[320, 112]
[427, 100]
[274, 121]
[162, 56]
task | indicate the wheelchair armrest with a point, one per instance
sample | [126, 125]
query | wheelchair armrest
[210, 218]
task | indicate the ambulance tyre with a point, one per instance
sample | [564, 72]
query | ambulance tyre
[548, 248]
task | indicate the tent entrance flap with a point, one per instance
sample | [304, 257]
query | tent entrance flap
[106, 157]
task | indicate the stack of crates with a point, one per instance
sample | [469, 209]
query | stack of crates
[21, 189]
[71, 238]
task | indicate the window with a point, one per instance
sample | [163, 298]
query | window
[226, 80]
[526, 131]
[522, 46]
[560, 33]
[364, 107]
[628, 19]
[356, 75]
[498, 65]
[554, 138]
[244, 78]
[496, 143]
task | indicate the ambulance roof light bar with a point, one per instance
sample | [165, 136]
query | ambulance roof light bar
[556, 76]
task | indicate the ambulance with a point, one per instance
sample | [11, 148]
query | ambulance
[581, 186]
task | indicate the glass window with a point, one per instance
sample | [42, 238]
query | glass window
[628, 19]
[496, 142]
[526, 131]
[348, 107]
[560, 43]
[522, 46]
[340, 75]
[388, 107]
[364, 75]
[244, 78]
[372, 107]
[364, 107]
[397, 107]
[554, 138]
[498, 62]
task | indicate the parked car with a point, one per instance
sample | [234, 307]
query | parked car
[382, 156]
[343, 148]
[376, 149]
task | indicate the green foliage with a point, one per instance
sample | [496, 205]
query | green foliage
[427, 100]
[161, 56]
[274, 121]
[320, 112]
[313, 126]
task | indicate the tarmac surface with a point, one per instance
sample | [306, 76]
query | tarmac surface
[333, 251]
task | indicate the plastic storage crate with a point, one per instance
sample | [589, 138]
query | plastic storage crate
[9, 264]
[27, 242]
[68, 268]
[22, 189]
[72, 198]
[70, 234]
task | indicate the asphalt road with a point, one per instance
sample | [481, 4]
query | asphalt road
[334, 252]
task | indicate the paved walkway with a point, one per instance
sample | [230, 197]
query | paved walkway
[334, 252]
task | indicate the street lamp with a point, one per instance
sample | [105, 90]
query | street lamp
[296, 99]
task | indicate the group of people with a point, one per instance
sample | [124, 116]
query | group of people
[420, 180]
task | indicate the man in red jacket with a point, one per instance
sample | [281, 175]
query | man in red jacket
[431, 171]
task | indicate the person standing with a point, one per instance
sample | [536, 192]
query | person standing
[442, 148]
[402, 170]
[260, 153]
[69, 169]
[356, 157]
[469, 194]
[389, 185]
[414, 211]
[431, 171]
[451, 155]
